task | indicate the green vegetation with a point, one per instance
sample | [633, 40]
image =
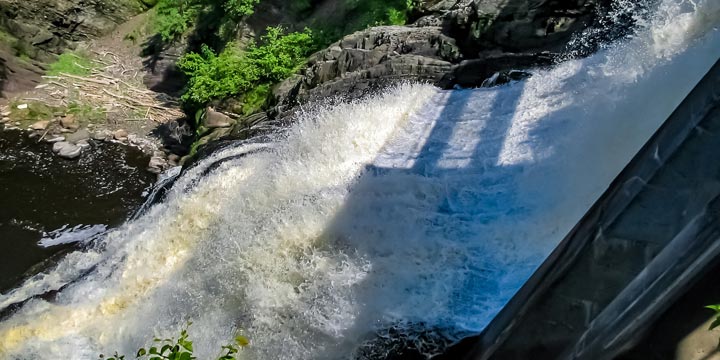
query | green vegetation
[174, 17]
[251, 72]
[361, 14]
[716, 322]
[34, 111]
[73, 63]
[86, 112]
[181, 349]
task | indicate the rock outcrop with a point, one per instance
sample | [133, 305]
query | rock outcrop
[367, 59]
[32, 32]
[46, 27]
[452, 43]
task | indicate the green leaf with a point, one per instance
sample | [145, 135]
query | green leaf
[154, 351]
[242, 341]
[713, 307]
[715, 323]
[165, 348]
[186, 344]
[141, 352]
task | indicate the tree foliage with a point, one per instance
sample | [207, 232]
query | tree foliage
[234, 72]
[174, 17]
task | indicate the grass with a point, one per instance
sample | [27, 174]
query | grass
[35, 111]
[86, 113]
[73, 63]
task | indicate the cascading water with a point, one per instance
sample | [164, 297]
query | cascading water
[413, 211]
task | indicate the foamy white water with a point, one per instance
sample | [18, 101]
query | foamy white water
[417, 209]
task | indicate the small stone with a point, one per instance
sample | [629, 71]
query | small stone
[133, 139]
[54, 138]
[120, 134]
[157, 162]
[83, 144]
[22, 106]
[33, 135]
[68, 122]
[40, 125]
[70, 152]
[5, 113]
[100, 136]
[59, 145]
[17, 123]
[4, 120]
[174, 157]
[159, 154]
[78, 136]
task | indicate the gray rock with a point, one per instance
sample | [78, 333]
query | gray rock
[100, 136]
[83, 144]
[70, 152]
[120, 135]
[40, 125]
[214, 119]
[59, 145]
[369, 58]
[80, 135]
[53, 138]
[66, 150]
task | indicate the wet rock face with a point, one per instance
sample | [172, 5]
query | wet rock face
[46, 27]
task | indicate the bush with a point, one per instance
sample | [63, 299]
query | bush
[233, 72]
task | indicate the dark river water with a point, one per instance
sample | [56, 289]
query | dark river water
[52, 201]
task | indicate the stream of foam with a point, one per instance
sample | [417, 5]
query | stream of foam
[416, 210]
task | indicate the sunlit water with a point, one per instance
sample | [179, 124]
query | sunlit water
[417, 209]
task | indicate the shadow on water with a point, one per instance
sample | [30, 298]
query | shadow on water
[451, 182]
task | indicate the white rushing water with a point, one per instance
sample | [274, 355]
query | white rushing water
[417, 209]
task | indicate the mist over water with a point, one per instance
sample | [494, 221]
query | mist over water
[416, 210]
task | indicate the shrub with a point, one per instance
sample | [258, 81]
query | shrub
[234, 72]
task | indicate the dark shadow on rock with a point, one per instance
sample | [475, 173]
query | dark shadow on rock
[176, 136]
[161, 72]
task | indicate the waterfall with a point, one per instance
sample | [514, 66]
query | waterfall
[413, 211]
